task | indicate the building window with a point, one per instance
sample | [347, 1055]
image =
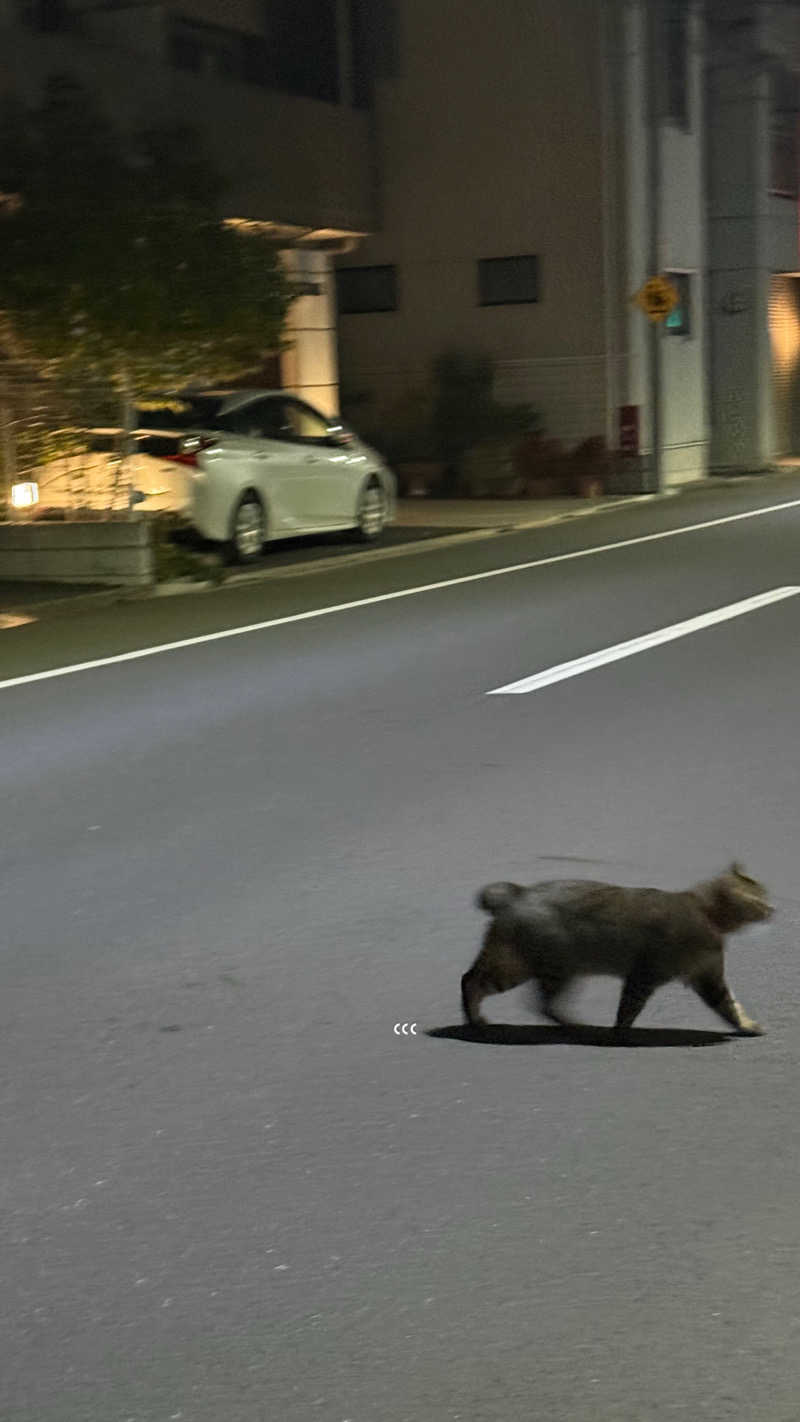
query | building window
[784, 155]
[364, 289]
[207, 49]
[676, 61]
[255, 60]
[297, 53]
[373, 46]
[49, 16]
[303, 45]
[679, 320]
[505, 281]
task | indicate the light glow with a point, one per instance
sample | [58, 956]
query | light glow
[24, 496]
[784, 327]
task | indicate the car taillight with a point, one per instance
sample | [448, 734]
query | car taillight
[188, 450]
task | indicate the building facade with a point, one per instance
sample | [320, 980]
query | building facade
[494, 180]
[537, 165]
[278, 92]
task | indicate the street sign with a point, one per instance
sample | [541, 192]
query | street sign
[656, 298]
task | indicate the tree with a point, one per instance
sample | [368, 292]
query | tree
[115, 269]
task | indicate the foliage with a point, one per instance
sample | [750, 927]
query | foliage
[465, 412]
[590, 467]
[176, 559]
[115, 268]
[406, 433]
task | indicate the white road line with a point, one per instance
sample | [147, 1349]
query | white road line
[640, 644]
[388, 597]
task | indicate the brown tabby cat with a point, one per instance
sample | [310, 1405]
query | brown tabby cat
[558, 931]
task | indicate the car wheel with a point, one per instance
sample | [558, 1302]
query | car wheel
[372, 510]
[248, 529]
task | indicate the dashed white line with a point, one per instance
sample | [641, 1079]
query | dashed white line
[579, 665]
[265, 626]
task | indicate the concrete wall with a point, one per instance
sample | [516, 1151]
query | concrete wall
[782, 235]
[752, 235]
[739, 266]
[685, 415]
[489, 145]
[117, 553]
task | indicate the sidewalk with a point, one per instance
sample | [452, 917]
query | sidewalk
[501, 513]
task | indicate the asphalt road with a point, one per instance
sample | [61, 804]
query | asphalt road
[230, 1192]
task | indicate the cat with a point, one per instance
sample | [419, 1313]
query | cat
[560, 930]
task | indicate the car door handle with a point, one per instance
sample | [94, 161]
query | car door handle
[312, 459]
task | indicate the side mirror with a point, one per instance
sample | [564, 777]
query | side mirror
[338, 436]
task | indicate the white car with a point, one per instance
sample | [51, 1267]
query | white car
[262, 465]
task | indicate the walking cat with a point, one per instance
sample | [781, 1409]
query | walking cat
[558, 931]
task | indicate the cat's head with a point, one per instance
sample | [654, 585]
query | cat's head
[736, 899]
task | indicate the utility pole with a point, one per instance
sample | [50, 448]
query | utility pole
[653, 61]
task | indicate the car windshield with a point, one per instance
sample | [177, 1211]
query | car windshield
[180, 412]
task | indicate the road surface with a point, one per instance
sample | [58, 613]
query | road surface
[231, 1192]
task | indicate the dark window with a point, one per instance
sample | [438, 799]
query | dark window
[297, 52]
[361, 51]
[504, 281]
[207, 49]
[373, 46]
[303, 48]
[363, 289]
[784, 155]
[227, 61]
[676, 61]
[255, 60]
[679, 320]
[262, 419]
[49, 16]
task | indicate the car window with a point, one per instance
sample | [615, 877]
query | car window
[180, 412]
[263, 419]
[306, 423]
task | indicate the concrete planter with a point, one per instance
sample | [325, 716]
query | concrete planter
[116, 552]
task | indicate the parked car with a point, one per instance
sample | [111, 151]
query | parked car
[262, 465]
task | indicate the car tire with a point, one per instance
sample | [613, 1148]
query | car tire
[372, 512]
[248, 529]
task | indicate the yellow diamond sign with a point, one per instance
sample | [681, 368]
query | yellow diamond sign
[657, 298]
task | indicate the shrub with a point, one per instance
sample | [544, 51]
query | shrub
[542, 466]
[465, 412]
[590, 465]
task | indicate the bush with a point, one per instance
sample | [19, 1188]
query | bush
[176, 559]
[542, 466]
[404, 429]
[465, 413]
[589, 467]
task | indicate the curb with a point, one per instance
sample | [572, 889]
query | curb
[379, 555]
[347, 560]
[109, 596]
[103, 598]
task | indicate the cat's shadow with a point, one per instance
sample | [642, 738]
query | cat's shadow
[500, 1034]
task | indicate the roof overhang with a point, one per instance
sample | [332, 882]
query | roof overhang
[285, 234]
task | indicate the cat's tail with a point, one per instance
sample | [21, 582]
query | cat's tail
[493, 898]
